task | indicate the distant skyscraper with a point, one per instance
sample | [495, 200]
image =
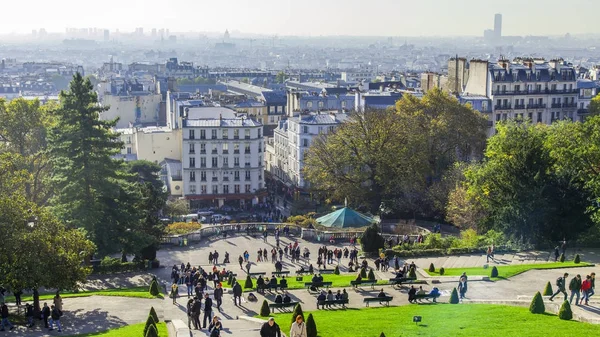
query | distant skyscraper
[498, 26]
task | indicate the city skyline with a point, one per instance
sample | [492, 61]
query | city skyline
[286, 18]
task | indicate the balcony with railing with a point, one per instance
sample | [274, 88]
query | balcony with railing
[502, 107]
[519, 106]
[536, 106]
[583, 111]
[214, 151]
[215, 178]
[569, 105]
[555, 105]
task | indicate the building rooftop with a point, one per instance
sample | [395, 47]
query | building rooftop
[320, 119]
[222, 123]
[209, 112]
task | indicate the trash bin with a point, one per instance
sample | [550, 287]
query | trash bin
[185, 241]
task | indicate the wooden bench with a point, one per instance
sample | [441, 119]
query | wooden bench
[281, 306]
[326, 271]
[280, 273]
[270, 287]
[317, 285]
[255, 275]
[398, 281]
[332, 302]
[303, 272]
[386, 299]
[426, 297]
[356, 284]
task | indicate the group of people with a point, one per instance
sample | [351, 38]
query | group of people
[580, 288]
[50, 315]
[330, 296]
[272, 329]
[194, 307]
[413, 293]
[261, 283]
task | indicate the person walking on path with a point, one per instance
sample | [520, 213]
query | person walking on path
[241, 260]
[585, 290]
[196, 308]
[298, 328]
[45, 314]
[55, 318]
[207, 311]
[29, 315]
[462, 286]
[237, 294]
[58, 303]
[560, 283]
[556, 253]
[248, 265]
[174, 292]
[218, 295]
[4, 315]
[490, 254]
[592, 285]
[575, 288]
[270, 329]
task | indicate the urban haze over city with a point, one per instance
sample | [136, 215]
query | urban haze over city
[391, 143]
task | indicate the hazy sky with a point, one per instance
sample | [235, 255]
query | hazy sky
[306, 17]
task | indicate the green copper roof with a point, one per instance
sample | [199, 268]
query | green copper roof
[345, 218]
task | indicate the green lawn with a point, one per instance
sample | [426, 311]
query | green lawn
[339, 281]
[138, 292]
[441, 320]
[128, 331]
[506, 271]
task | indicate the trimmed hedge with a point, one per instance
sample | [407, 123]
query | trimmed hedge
[562, 258]
[248, 284]
[537, 304]
[153, 314]
[154, 288]
[548, 289]
[494, 272]
[431, 268]
[311, 326]
[577, 259]
[565, 312]
[150, 323]
[151, 331]
[264, 309]
[110, 265]
[442, 271]
[363, 273]
[297, 311]
[454, 297]
[371, 275]
[336, 270]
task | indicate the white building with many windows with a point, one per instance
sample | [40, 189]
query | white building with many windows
[223, 160]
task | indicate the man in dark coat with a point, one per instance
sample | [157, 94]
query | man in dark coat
[237, 294]
[218, 295]
[270, 329]
[207, 311]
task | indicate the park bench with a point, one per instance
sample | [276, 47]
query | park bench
[303, 272]
[356, 284]
[281, 306]
[270, 287]
[398, 281]
[280, 273]
[326, 271]
[426, 297]
[332, 302]
[386, 299]
[317, 284]
[255, 275]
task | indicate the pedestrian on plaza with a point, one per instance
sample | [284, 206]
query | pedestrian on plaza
[45, 314]
[218, 295]
[215, 324]
[248, 265]
[196, 308]
[561, 284]
[174, 292]
[298, 328]
[207, 311]
[189, 308]
[592, 285]
[270, 329]
[226, 259]
[29, 315]
[4, 315]
[265, 234]
[58, 302]
[241, 260]
[189, 286]
[237, 294]
[489, 254]
[575, 288]
[55, 314]
[18, 294]
[462, 286]
[556, 253]
[585, 289]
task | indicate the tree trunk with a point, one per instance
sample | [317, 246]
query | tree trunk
[36, 304]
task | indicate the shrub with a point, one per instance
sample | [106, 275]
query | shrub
[371, 241]
[248, 284]
[442, 271]
[297, 311]
[562, 258]
[311, 326]
[431, 268]
[336, 270]
[577, 259]
[548, 289]
[151, 331]
[454, 297]
[382, 335]
[371, 275]
[264, 309]
[412, 273]
[494, 272]
[363, 273]
[565, 312]
[154, 288]
[153, 314]
[182, 228]
[537, 304]
[150, 323]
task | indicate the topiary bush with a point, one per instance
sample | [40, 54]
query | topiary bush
[230, 279]
[494, 272]
[311, 326]
[297, 311]
[442, 271]
[537, 304]
[565, 312]
[153, 314]
[336, 270]
[454, 297]
[151, 332]
[264, 309]
[363, 273]
[562, 258]
[577, 259]
[150, 323]
[548, 289]
[382, 335]
[412, 273]
[431, 268]
[248, 284]
[371, 275]
[154, 288]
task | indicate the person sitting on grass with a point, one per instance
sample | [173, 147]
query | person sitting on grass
[287, 298]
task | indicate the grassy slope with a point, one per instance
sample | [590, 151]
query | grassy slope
[507, 271]
[137, 292]
[442, 320]
[129, 331]
[339, 281]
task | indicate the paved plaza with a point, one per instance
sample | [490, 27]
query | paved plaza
[90, 314]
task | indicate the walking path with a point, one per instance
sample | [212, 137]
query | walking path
[96, 313]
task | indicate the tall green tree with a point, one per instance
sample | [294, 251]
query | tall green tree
[594, 107]
[88, 182]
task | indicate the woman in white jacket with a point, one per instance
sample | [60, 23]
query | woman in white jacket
[298, 328]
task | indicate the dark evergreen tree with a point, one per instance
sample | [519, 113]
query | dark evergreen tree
[537, 304]
[311, 326]
[264, 309]
[454, 297]
[297, 311]
[565, 312]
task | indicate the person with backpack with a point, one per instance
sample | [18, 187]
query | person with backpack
[575, 288]
[560, 283]
[55, 318]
